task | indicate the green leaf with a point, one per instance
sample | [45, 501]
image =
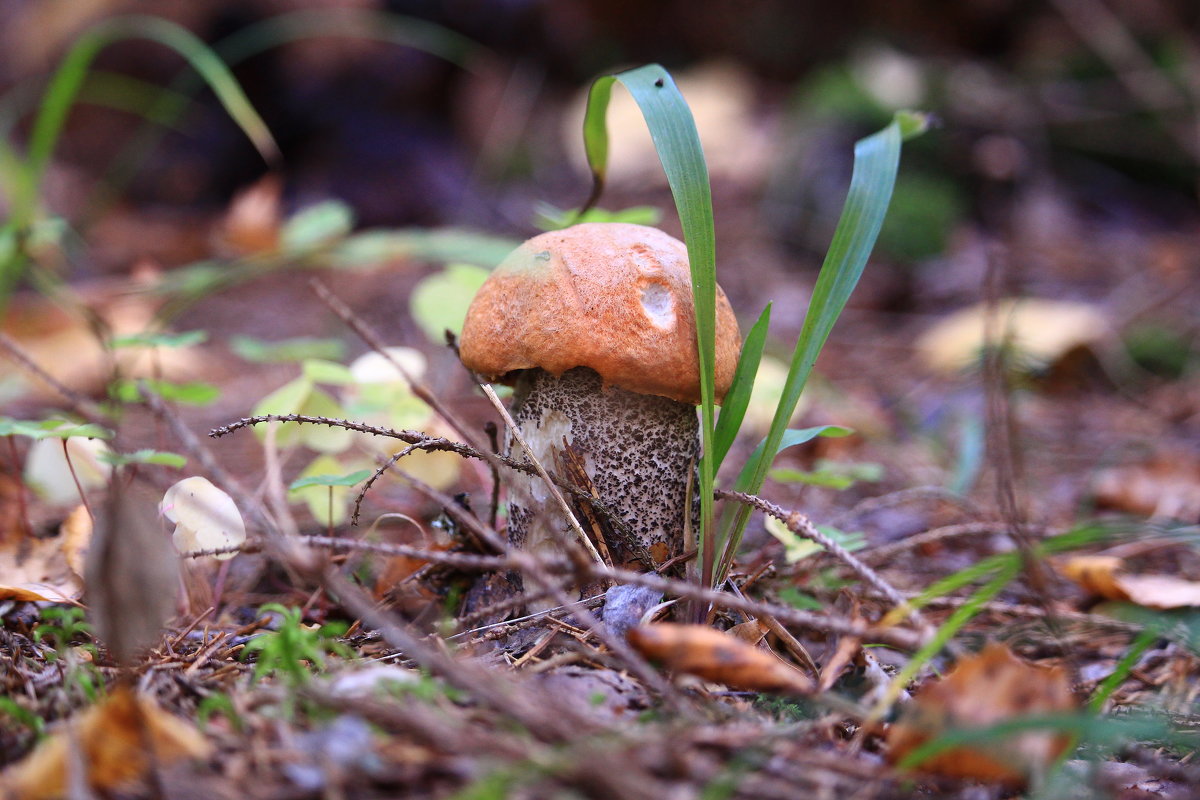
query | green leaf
[170, 340]
[325, 492]
[830, 474]
[195, 393]
[300, 396]
[673, 131]
[797, 599]
[372, 248]
[876, 161]
[317, 225]
[790, 438]
[798, 547]
[549, 218]
[52, 429]
[297, 349]
[737, 399]
[913, 123]
[331, 480]
[439, 302]
[145, 456]
[320, 371]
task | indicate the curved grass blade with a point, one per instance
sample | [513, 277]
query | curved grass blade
[876, 161]
[737, 399]
[281, 29]
[347, 22]
[64, 86]
[63, 90]
[673, 131]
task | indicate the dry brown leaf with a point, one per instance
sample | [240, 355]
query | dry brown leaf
[76, 533]
[984, 690]
[1041, 331]
[752, 631]
[1104, 576]
[12, 498]
[848, 647]
[1168, 486]
[113, 736]
[65, 344]
[718, 657]
[38, 570]
[254, 218]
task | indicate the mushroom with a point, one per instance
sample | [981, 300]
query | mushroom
[594, 326]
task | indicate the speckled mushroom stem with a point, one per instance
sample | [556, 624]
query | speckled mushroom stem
[639, 452]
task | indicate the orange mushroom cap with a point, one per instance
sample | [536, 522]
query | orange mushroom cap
[614, 297]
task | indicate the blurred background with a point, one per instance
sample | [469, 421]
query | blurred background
[1064, 166]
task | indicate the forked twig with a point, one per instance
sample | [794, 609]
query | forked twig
[423, 441]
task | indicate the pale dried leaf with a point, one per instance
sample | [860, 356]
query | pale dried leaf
[38, 570]
[1106, 577]
[1040, 331]
[1168, 487]
[76, 533]
[205, 517]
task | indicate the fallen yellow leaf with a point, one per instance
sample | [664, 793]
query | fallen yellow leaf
[114, 737]
[1041, 331]
[1105, 576]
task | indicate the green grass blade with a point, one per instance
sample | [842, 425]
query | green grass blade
[64, 86]
[63, 90]
[673, 131]
[1121, 671]
[876, 161]
[283, 29]
[737, 399]
[348, 22]
[961, 616]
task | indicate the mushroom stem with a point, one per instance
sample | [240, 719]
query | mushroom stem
[638, 453]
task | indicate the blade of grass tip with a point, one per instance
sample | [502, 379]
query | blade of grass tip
[876, 162]
[595, 137]
[64, 87]
[737, 399]
[673, 131]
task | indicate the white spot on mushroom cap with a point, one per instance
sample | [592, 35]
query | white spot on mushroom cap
[659, 305]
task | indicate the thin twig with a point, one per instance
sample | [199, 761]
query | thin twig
[531, 567]
[801, 525]
[934, 535]
[424, 442]
[490, 429]
[79, 404]
[554, 566]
